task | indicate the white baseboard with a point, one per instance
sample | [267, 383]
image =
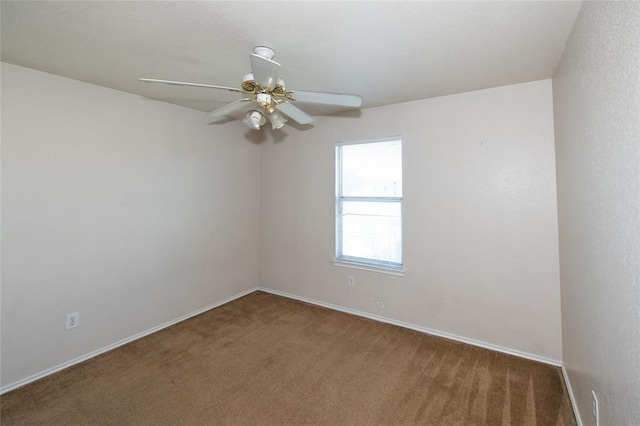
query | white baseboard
[421, 329]
[107, 348]
[571, 396]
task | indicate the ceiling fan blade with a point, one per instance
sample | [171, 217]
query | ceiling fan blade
[265, 71]
[295, 113]
[339, 99]
[229, 108]
[182, 83]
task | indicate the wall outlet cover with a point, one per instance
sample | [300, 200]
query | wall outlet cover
[72, 320]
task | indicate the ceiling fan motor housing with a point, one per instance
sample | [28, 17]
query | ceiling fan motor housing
[264, 51]
[265, 101]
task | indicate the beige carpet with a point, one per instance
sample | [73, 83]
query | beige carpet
[267, 360]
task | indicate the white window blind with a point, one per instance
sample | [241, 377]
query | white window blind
[369, 203]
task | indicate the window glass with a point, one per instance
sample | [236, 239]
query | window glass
[369, 203]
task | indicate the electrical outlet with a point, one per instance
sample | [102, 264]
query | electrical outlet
[73, 320]
[594, 408]
[379, 303]
[351, 282]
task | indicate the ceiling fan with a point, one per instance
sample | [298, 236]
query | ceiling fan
[267, 91]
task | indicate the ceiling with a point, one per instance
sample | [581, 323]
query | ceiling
[387, 52]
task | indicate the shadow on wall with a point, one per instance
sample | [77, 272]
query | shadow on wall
[266, 133]
[262, 135]
[217, 121]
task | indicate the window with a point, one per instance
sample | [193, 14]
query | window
[369, 203]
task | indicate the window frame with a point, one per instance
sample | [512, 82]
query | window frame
[360, 262]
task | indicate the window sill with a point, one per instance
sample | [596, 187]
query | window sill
[364, 267]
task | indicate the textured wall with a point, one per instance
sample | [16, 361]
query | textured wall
[480, 218]
[130, 211]
[596, 93]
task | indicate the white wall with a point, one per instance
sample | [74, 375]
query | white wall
[596, 93]
[131, 211]
[135, 212]
[480, 218]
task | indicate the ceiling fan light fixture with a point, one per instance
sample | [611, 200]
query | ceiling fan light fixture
[254, 119]
[277, 120]
[264, 88]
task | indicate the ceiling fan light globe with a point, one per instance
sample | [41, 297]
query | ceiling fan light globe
[254, 119]
[277, 120]
[251, 125]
